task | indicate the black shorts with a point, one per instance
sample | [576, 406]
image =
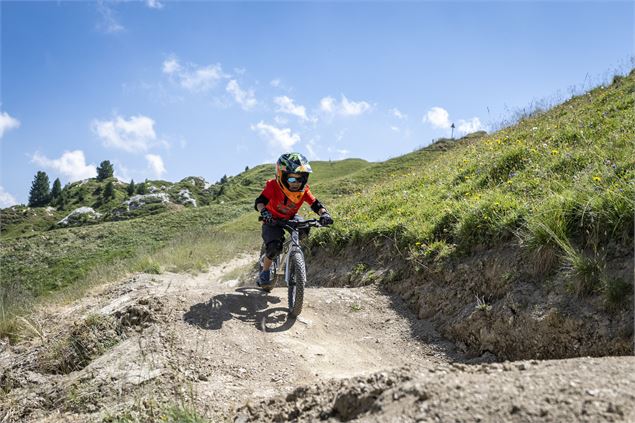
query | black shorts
[272, 233]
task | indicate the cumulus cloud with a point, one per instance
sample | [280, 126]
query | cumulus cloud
[396, 113]
[192, 77]
[275, 83]
[438, 117]
[246, 99]
[71, 164]
[6, 199]
[134, 135]
[155, 163]
[287, 105]
[395, 128]
[327, 104]
[7, 122]
[468, 126]
[345, 107]
[279, 139]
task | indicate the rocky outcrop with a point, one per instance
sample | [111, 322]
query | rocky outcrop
[80, 216]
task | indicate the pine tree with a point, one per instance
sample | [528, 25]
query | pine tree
[131, 188]
[56, 192]
[39, 195]
[109, 191]
[105, 170]
[141, 188]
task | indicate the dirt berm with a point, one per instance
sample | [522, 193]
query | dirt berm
[500, 301]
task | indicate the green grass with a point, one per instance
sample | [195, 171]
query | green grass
[65, 260]
[565, 174]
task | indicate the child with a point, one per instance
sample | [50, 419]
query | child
[281, 199]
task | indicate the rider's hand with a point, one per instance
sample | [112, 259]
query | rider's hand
[326, 219]
[267, 217]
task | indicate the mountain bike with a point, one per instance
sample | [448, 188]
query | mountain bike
[290, 263]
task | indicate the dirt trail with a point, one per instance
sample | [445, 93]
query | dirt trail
[215, 342]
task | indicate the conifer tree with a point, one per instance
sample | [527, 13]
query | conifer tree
[39, 195]
[131, 188]
[56, 192]
[109, 191]
[105, 170]
[141, 188]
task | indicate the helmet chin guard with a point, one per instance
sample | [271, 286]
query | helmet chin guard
[292, 163]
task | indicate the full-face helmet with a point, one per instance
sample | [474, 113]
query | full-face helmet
[293, 163]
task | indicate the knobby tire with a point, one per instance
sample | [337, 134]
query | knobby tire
[297, 281]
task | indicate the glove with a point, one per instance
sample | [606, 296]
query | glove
[267, 217]
[326, 219]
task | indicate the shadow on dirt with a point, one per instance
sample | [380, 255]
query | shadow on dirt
[245, 304]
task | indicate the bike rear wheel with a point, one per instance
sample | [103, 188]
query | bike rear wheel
[297, 281]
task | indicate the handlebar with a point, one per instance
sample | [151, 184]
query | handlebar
[295, 224]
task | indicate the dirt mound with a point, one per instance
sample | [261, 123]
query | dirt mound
[580, 390]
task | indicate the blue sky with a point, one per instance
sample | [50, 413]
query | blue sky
[174, 89]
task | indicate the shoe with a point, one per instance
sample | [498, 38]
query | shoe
[263, 280]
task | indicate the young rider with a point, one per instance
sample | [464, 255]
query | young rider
[281, 199]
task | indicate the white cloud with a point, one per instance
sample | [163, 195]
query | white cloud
[135, 135]
[154, 4]
[345, 107]
[275, 83]
[109, 22]
[468, 126]
[155, 163]
[71, 164]
[396, 113]
[395, 128]
[7, 122]
[353, 108]
[327, 104]
[192, 77]
[171, 66]
[246, 99]
[438, 117]
[6, 199]
[286, 105]
[278, 138]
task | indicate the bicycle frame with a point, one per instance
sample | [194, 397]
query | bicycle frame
[293, 244]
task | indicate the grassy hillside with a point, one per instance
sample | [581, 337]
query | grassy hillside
[560, 180]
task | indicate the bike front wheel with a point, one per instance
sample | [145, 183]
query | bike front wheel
[297, 281]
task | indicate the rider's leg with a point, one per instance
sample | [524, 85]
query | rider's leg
[266, 264]
[273, 237]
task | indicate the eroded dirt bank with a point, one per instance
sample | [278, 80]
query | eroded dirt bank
[213, 343]
[500, 301]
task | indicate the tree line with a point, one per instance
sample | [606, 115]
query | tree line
[41, 194]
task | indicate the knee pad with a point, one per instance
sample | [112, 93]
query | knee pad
[273, 249]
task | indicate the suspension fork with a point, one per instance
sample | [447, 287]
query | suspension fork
[295, 246]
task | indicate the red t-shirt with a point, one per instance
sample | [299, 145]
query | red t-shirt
[280, 206]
